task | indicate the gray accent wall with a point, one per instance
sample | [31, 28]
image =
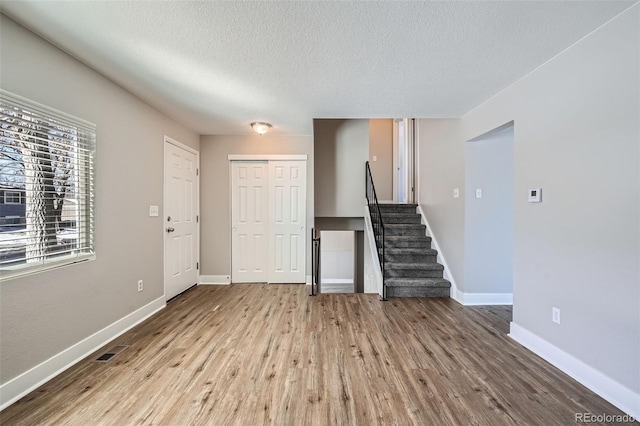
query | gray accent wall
[577, 133]
[341, 149]
[215, 197]
[46, 313]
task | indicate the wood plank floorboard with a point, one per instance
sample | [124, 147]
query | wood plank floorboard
[272, 355]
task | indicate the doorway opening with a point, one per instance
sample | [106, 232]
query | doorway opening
[404, 147]
[337, 252]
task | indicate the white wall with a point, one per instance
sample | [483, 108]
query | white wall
[488, 223]
[440, 170]
[337, 256]
[46, 313]
[341, 149]
[577, 137]
[371, 265]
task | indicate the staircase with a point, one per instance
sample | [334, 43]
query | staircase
[410, 265]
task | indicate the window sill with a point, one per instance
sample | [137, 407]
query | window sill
[18, 271]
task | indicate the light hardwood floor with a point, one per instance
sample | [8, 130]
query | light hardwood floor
[270, 354]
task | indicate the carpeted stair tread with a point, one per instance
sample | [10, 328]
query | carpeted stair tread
[404, 225]
[391, 238]
[404, 238]
[418, 282]
[413, 230]
[399, 218]
[410, 250]
[420, 266]
[397, 206]
[421, 291]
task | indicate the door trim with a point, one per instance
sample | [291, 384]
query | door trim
[169, 140]
[262, 157]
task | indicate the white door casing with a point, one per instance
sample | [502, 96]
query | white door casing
[249, 222]
[287, 220]
[180, 221]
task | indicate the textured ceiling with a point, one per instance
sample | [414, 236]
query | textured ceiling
[217, 66]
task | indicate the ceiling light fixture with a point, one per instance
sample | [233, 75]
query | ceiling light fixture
[260, 127]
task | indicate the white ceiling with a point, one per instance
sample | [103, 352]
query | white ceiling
[216, 66]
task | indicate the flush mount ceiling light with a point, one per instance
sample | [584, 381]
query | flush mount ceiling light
[260, 127]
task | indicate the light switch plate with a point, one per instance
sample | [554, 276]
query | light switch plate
[478, 193]
[535, 195]
[456, 193]
[375, 158]
[153, 211]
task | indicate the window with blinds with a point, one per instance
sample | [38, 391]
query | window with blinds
[46, 187]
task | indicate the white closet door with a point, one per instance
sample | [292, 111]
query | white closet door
[287, 220]
[249, 222]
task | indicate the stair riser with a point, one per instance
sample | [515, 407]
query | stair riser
[409, 218]
[413, 273]
[410, 258]
[409, 243]
[405, 231]
[418, 292]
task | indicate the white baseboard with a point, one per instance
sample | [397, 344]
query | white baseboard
[454, 293]
[617, 394]
[26, 382]
[470, 299]
[308, 280]
[337, 281]
[214, 279]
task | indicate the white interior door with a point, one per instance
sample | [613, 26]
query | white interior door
[403, 160]
[181, 243]
[287, 213]
[249, 222]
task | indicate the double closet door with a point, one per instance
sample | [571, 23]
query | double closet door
[268, 218]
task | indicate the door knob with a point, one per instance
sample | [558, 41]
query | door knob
[170, 229]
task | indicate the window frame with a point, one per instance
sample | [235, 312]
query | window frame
[13, 196]
[82, 144]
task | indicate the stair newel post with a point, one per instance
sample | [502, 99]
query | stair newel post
[318, 284]
[313, 263]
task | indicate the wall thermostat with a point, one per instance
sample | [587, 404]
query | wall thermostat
[535, 195]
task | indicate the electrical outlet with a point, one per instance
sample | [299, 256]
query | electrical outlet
[140, 285]
[555, 315]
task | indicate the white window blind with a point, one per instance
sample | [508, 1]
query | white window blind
[47, 158]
